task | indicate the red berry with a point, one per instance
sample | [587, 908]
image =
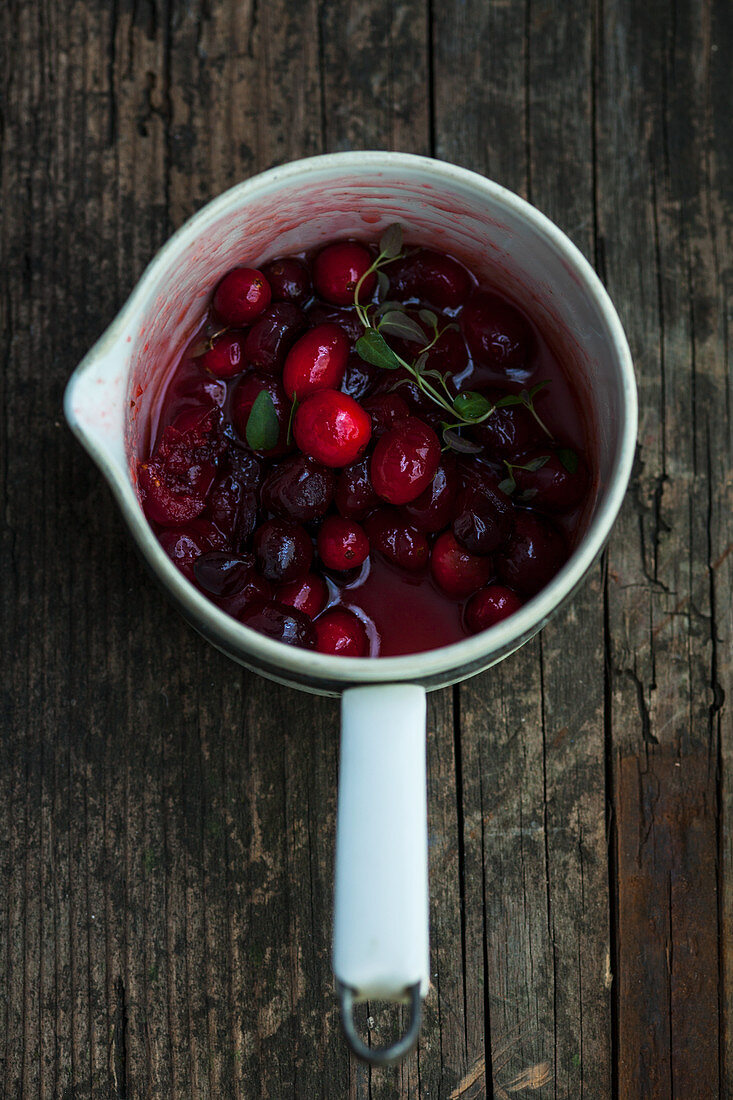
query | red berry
[405, 460]
[552, 487]
[225, 357]
[359, 377]
[271, 336]
[221, 573]
[342, 544]
[298, 488]
[284, 550]
[233, 508]
[241, 296]
[256, 591]
[308, 595]
[489, 606]
[337, 270]
[433, 509]
[534, 554]
[331, 428]
[497, 334]
[347, 319]
[244, 397]
[400, 543]
[284, 624]
[289, 280]
[431, 276]
[355, 494]
[449, 354]
[483, 517]
[185, 545]
[456, 571]
[341, 634]
[385, 409]
[510, 430]
[316, 362]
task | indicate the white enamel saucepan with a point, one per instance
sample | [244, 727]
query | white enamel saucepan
[381, 894]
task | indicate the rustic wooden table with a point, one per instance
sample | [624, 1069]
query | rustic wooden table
[167, 819]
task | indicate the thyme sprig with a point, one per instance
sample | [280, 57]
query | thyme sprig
[464, 410]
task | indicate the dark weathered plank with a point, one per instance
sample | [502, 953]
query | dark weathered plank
[664, 260]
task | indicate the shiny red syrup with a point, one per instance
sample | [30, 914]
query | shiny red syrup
[364, 452]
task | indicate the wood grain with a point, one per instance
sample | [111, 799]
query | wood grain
[166, 819]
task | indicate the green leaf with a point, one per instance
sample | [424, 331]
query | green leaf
[508, 485]
[386, 307]
[535, 464]
[383, 284]
[510, 399]
[390, 244]
[471, 405]
[428, 318]
[419, 365]
[402, 326]
[374, 349]
[527, 496]
[458, 443]
[263, 426]
[536, 389]
[568, 458]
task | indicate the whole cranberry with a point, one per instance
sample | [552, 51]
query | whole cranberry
[509, 431]
[176, 481]
[233, 508]
[241, 296]
[284, 550]
[385, 409]
[347, 319]
[456, 571]
[298, 488]
[225, 357]
[399, 542]
[483, 518]
[449, 354]
[246, 467]
[243, 399]
[185, 545]
[401, 383]
[533, 555]
[555, 485]
[430, 276]
[316, 362]
[256, 590]
[355, 494]
[308, 595]
[341, 634]
[271, 336]
[289, 280]
[337, 270]
[433, 509]
[490, 606]
[283, 624]
[331, 428]
[404, 461]
[221, 573]
[359, 378]
[342, 543]
[497, 334]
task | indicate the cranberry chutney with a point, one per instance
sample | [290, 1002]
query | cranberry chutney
[366, 453]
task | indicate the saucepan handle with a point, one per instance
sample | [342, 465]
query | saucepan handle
[380, 948]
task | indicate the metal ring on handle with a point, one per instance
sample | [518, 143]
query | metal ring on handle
[381, 1056]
